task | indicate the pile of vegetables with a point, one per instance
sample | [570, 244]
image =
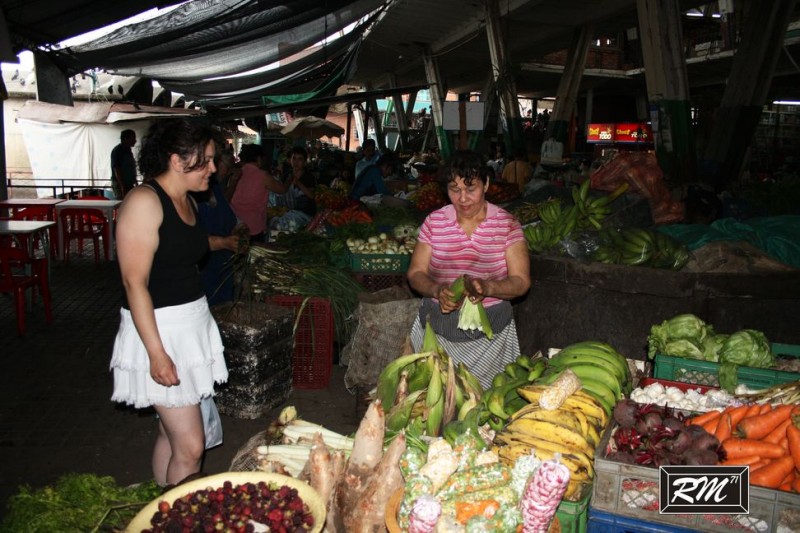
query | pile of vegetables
[78, 503]
[690, 337]
[650, 435]
[765, 437]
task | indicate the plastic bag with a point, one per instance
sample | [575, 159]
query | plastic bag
[211, 422]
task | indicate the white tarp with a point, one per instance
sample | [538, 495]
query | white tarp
[74, 154]
[70, 146]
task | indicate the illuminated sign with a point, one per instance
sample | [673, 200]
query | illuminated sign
[624, 132]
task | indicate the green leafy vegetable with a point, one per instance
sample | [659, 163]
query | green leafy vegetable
[683, 348]
[79, 503]
[747, 347]
[727, 377]
[681, 327]
[712, 346]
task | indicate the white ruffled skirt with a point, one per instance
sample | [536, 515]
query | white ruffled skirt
[191, 338]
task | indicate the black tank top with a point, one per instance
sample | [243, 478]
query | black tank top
[174, 276]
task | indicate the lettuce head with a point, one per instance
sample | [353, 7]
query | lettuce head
[681, 327]
[712, 345]
[747, 347]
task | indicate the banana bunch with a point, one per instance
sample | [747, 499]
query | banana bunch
[430, 386]
[501, 400]
[558, 221]
[593, 210]
[639, 246]
[603, 372]
[526, 212]
[573, 430]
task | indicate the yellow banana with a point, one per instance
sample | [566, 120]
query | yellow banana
[553, 432]
[577, 400]
[533, 442]
[558, 416]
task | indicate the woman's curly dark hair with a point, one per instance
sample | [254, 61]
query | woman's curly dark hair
[466, 165]
[187, 138]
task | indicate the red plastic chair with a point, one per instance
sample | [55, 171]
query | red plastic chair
[96, 197]
[41, 213]
[13, 279]
[84, 223]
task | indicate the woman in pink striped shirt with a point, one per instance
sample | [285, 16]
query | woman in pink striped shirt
[484, 242]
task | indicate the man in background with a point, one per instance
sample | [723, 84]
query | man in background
[123, 165]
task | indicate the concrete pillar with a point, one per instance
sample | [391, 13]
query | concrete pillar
[3, 168]
[567, 93]
[438, 92]
[503, 77]
[747, 89]
[667, 87]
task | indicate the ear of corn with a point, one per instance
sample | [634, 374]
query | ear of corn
[473, 316]
[458, 288]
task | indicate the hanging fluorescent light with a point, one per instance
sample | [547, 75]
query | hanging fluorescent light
[786, 102]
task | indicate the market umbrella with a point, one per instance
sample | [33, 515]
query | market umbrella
[311, 128]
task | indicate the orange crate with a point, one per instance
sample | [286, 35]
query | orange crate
[313, 340]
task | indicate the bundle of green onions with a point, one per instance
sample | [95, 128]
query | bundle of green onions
[267, 273]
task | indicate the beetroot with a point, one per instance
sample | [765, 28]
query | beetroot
[625, 413]
[696, 456]
[680, 442]
[673, 423]
[648, 423]
[706, 442]
[695, 431]
[621, 457]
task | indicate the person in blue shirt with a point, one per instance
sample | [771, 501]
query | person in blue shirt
[370, 180]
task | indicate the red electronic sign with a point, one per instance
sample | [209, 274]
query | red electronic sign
[633, 132]
[624, 132]
[600, 133]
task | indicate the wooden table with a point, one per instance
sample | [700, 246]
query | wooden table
[29, 228]
[106, 206]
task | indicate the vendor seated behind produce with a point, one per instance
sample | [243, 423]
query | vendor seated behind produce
[370, 180]
[300, 196]
[484, 242]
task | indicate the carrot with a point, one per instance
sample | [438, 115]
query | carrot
[779, 433]
[772, 474]
[699, 420]
[758, 427]
[738, 413]
[754, 410]
[789, 477]
[793, 438]
[736, 448]
[747, 460]
[766, 408]
[724, 428]
[796, 484]
[755, 466]
[785, 486]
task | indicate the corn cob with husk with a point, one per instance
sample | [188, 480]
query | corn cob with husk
[472, 315]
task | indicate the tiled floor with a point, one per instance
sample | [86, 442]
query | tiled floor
[55, 412]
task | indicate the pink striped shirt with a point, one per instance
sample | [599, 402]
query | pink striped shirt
[481, 255]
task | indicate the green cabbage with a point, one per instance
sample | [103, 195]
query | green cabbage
[683, 348]
[727, 377]
[712, 346]
[747, 347]
[682, 327]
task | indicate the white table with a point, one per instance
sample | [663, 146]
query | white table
[106, 206]
[29, 228]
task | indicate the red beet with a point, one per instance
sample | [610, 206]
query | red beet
[625, 413]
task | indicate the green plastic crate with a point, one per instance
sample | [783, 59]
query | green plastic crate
[573, 516]
[379, 263]
[706, 372]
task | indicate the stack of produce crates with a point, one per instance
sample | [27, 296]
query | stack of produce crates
[625, 497]
[380, 271]
[314, 333]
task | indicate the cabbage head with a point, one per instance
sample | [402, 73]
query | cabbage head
[681, 327]
[683, 348]
[747, 347]
[712, 346]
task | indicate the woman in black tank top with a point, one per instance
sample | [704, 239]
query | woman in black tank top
[168, 353]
